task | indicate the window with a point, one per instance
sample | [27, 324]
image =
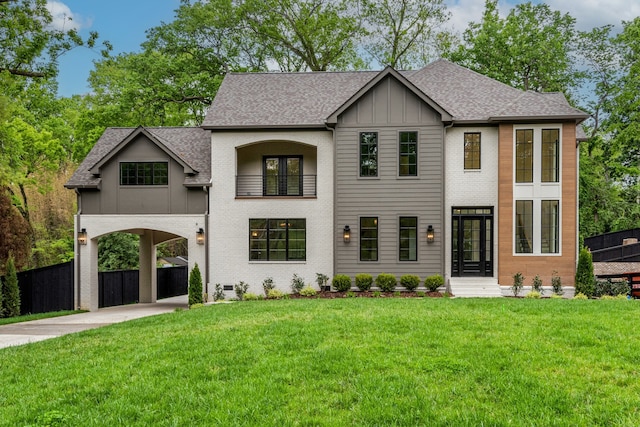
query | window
[550, 225]
[368, 239]
[368, 153]
[524, 226]
[144, 173]
[550, 155]
[524, 155]
[277, 240]
[282, 176]
[472, 150]
[408, 238]
[408, 154]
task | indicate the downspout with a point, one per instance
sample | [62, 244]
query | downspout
[206, 246]
[77, 246]
[447, 284]
[333, 202]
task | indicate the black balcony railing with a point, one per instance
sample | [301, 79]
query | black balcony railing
[280, 185]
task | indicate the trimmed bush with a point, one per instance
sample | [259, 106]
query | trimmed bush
[275, 294]
[194, 306]
[341, 282]
[536, 285]
[580, 295]
[585, 280]
[410, 281]
[386, 282]
[533, 295]
[434, 282]
[268, 284]
[609, 288]
[556, 283]
[364, 281]
[195, 286]
[297, 283]
[322, 280]
[240, 289]
[249, 296]
[11, 291]
[518, 281]
[308, 291]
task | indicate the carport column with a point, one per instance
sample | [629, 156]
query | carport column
[88, 275]
[148, 289]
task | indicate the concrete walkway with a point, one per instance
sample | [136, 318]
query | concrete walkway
[38, 330]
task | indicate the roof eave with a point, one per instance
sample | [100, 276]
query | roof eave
[266, 127]
[579, 118]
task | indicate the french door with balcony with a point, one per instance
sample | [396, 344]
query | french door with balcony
[282, 176]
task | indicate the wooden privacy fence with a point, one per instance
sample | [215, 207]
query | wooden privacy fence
[51, 288]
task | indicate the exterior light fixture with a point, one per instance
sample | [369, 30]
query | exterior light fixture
[200, 236]
[82, 236]
[431, 235]
[346, 234]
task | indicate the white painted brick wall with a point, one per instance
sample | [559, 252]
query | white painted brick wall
[470, 188]
[229, 225]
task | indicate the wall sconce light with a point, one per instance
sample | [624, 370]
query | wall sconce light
[200, 236]
[82, 236]
[431, 235]
[346, 234]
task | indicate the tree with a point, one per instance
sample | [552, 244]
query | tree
[195, 286]
[14, 234]
[402, 33]
[10, 291]
[118, 251]
[585, 280]
[530, 49]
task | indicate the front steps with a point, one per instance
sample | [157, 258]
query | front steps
[475, 287]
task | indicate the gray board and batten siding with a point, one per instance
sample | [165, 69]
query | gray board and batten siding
[388, 109]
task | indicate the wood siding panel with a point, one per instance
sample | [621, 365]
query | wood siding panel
[389, 196]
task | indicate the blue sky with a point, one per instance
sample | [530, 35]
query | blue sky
[124, 22]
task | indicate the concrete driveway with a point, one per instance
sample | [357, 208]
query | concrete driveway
[38, 330]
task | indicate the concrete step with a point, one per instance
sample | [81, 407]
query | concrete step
[475, 287]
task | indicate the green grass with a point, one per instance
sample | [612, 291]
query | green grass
[352, 361]
[28, 317]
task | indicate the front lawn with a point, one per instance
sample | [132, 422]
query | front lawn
[350, 361]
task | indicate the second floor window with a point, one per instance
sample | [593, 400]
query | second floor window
[524, 155]
[472, 150]
[144, 173]
[368, 153]
[550, 155]
[408, 154]
[282, 176]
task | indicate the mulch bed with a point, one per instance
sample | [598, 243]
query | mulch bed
[370, 294]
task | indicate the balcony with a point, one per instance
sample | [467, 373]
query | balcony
[259, 186]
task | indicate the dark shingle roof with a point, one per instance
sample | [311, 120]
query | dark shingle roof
[190, 145]
[307, 99]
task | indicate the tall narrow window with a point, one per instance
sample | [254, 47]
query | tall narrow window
[550, 237]
[408, 238]
[368, 239]
[550, 155]
[282, 176]
[144, 173]
[472, 150]
[277, 239]
[408, 154]
[524, 155]
[524, 226]
[368, 153]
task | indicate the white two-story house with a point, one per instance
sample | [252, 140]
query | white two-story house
[435, 171]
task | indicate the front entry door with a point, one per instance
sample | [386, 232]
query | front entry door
[472, 242]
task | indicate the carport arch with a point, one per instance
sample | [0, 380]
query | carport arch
[153, 229]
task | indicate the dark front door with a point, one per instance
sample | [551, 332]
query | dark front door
[472, 242]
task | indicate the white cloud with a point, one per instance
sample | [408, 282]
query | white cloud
[64, 18]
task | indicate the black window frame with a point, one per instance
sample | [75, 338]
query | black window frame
[404, 147]
[369, 234]
[144, 173]
[283, 177]
[472, 151]
[368, 155]
[265, 241]
[404, 236]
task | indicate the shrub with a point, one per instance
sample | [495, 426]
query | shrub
[240, 289]
[195, 286]
[533, 295]
[341, 282]
[386, 282]
[585, 280]
[11, 291]
[556, 296]
[397, 294]
[218, 295]
[250, 296]
[606, 297]
[518, 280]
[621, 296]
[536, 285]
[377, 294]
[297, 283]
[556, 283]
[421, 294]
[410, 282]
[197, 305]
[267, 285]
[607, 287]
[321, 280]
[308, 291]
[434, 282]
[364, 281]
[580, 295]
[274, 294]
[350, 294]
